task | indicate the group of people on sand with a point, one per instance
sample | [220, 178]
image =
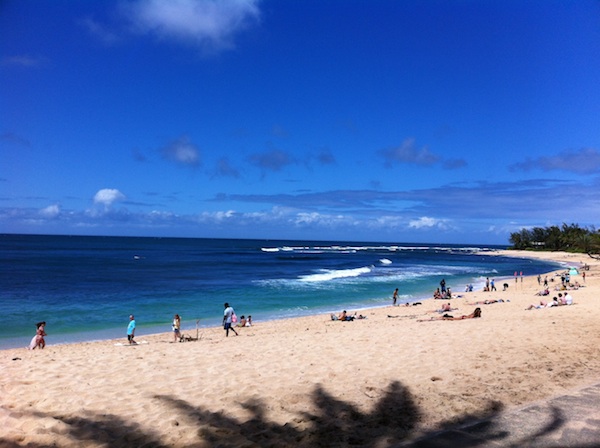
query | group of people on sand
[230, 318]
[561, 300]
[446, 294]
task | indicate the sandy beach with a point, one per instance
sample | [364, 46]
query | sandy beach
[309, 381]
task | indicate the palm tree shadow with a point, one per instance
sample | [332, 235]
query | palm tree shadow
[332, 423]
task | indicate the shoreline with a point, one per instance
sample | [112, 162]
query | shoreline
[107, 334]
[308, 380]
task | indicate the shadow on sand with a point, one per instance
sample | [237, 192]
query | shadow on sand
[335, 423]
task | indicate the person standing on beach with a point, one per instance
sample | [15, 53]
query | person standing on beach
[176, 328]
[38, 340]
[395, 297]
[131, 330]
[443, 286]
[227, 316]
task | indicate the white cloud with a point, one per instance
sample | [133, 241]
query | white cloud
[202, 22]
[427, 222]
[107, 196]
[52, 211]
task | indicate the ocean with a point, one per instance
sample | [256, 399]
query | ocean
[85, 288]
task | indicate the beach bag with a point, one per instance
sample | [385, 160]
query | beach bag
[233, 318]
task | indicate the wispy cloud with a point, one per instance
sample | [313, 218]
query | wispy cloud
[182, 151]
[325, 157]
[226, 169]
[582, 161]
[22, 60]
[206, 23]
[273, 160]
[409, 152]
[14, 139]
[454, 164]
[100, 31]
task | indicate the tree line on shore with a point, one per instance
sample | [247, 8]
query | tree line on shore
[568, 237]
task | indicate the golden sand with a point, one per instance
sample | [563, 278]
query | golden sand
[308, 381]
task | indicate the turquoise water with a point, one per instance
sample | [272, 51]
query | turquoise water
[86, 287]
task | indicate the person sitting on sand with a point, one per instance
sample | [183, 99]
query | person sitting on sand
[242, 322]
[437, 294]
[343, 317]
[249, 321]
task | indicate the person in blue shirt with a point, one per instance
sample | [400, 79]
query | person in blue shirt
[131, 330]
[227, 318]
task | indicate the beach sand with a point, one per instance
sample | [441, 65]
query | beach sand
[309, 381]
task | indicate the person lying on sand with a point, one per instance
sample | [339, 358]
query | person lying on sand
[444, 309]
[553, 302]
[475, 314]
[488, 302]
[344, 317]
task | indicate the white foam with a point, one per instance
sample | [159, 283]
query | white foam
[327, 274]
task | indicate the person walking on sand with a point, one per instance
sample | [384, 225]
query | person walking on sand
[395, 297]
[176, 328]
[131, 330]
[227, 317]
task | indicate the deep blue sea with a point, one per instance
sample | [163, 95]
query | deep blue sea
[86, 287]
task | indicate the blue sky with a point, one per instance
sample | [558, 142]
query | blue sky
[400, 121]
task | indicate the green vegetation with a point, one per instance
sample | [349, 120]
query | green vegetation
[569, 238]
